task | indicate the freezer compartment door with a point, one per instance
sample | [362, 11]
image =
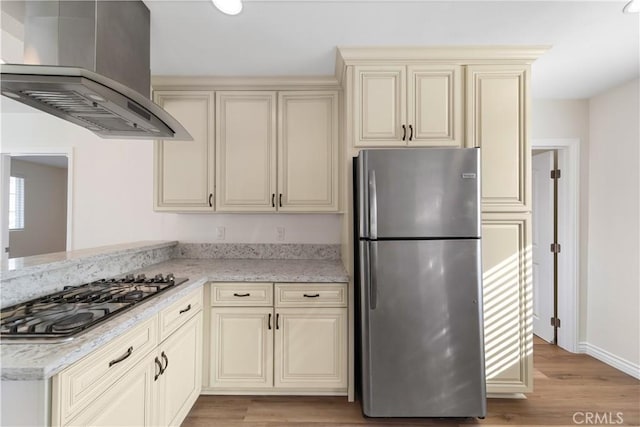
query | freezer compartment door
[422, 338]
[419, 193]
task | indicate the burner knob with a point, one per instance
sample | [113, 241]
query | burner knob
[129, 278]
[170, 277]
[158, 278]
[141, 278]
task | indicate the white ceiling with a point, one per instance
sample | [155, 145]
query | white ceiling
[594, 45]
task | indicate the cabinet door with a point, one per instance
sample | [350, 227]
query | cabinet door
[245, 151]
[434, 96]
[128, 402]
[181, 381]
[311, 349]
[506, 264]
[184, 170]
[308, 151]
[497, 110]
[379, 95]
[241, 348]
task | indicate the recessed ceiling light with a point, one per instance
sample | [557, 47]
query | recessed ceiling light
[632, 7]
[230, 7]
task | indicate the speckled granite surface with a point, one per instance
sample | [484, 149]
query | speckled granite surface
[41, 361]
[26, 278]
[257, 251]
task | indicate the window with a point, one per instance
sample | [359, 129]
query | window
[16, 203]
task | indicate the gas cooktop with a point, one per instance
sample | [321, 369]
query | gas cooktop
[63, 315]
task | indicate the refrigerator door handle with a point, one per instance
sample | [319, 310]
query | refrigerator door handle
[373, 275]
[373, 206]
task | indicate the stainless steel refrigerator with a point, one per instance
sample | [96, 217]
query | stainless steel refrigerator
[419, 333]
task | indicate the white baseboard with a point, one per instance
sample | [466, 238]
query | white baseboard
[610, 359]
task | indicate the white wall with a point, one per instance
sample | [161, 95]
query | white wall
[570, 119]
[45, 210]
[613, 325]
[113, 191]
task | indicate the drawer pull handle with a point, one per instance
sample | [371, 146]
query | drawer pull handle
[166, 362]
[159, 365]
[311, 296]
[241, 295]
[121, 358]
[184, 310]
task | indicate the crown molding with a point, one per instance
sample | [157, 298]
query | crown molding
[245, 83]
[463, 55]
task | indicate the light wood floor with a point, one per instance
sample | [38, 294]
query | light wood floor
[564, 384]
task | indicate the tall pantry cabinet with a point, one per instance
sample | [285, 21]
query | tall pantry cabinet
[460, 97]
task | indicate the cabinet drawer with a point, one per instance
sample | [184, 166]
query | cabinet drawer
[242, 294]
[311, 294]
[84, 381]
[174, 316]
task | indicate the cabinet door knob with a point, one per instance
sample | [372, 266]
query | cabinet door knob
[404, 132]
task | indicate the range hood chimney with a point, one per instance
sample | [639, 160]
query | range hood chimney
[88, 62]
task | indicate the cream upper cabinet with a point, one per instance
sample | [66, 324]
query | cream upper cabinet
[245, 151]
[184, 170]
[497, 109]
[277, 159]
[506, 265]
[308, 151]
[415, 105]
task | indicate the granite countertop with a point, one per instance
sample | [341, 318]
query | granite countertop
[41, 361]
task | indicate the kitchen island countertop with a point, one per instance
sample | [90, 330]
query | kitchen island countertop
[42, 361]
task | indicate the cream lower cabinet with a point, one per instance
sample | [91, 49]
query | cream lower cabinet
[133, 380]
[508, 335]
[128, 402]
[296, 346]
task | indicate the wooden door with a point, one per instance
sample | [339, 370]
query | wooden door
[245, 151]
[311, 349]
[184, 170]
[241, 348]
[308, 151]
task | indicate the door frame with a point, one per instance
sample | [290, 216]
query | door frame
[5, 166]
[568, 223]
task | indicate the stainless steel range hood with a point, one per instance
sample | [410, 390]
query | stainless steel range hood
[88, 62]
